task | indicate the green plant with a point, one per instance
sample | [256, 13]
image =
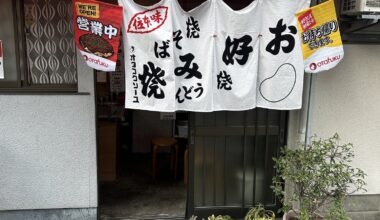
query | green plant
[219, 217]
[320, 176]
[337, 211]
[259, 213]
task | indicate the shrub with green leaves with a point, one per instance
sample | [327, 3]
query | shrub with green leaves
[219, 217]
[259, 213]
[213, 217]
[320, 176]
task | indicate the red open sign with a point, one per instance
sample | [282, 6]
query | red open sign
[97, 27]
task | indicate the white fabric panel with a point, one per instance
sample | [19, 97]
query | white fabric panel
[194, 34]
[149, 91]
[237, 54]
[281, 69]
[213, 57]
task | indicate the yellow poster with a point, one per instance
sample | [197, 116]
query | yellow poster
[320, 37]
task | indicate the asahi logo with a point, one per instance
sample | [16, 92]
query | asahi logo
[314, 66]
[95, 61]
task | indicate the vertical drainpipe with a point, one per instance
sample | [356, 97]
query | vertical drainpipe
[302, 119]
[305, 122]
[308, 110]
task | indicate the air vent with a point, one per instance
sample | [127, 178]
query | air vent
[373, 3]
[349, 5]
[361, 7]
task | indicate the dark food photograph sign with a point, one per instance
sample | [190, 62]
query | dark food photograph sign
[97, 28]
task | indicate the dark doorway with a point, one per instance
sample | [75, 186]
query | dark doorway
[127, 188]
[231, 162]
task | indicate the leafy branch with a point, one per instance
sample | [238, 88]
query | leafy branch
[321, 175]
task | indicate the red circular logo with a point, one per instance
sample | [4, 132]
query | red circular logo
[313, 66]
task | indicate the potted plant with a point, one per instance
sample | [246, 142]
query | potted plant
[319, 177]
[219, 217]
[260, 213]
[256, 213]
[212, 217]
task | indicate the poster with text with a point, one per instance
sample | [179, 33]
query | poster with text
[97, 32]
[320, 36]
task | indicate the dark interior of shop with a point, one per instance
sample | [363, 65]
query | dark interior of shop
[127, 187]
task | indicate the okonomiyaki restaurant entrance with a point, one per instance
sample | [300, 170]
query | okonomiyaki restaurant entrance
[155, 165]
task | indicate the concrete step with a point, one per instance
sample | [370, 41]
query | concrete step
[365, 215]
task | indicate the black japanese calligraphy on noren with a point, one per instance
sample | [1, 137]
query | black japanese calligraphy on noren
[274, 46]
[177, 37]
[188, 93]
[240, 47]
[199, 90]
[163, 53]
[134, 75]
[192, 28]
[178, 96]
[192, 72]
[224, 81]
[151, 80]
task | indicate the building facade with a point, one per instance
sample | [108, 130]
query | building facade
[48, 149]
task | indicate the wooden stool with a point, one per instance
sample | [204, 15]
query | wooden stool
[165, 143]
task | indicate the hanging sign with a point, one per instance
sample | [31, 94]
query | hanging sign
[210, 58]
[1, 61]
[117, 84]
[320, 36]
[281, 72]
[149, 59]
[97, 32]
[235, 71]
[167, 116]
